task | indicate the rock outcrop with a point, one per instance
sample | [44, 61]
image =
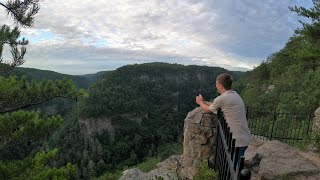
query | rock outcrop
[275, 160]
[168, 170]
[316, 120]
[198, 144]
[93, 126]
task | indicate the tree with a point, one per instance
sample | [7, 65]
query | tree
[310, 34]
[16, 94]
[23, 13]
[38, 167]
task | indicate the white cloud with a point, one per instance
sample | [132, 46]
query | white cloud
[212, 32]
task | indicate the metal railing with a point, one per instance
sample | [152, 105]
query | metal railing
[225, 161]
[283, 126]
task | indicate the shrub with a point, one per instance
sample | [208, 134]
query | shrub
[205, 173]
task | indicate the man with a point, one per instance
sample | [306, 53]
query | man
[234, 111]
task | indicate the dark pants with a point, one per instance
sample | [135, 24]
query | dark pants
[241, 153]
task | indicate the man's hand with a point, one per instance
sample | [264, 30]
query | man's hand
[199, 99]
[203, 105]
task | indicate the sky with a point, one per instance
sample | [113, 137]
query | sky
[82, 37]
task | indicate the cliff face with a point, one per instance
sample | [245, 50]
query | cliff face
[93, 126]
[90, 128]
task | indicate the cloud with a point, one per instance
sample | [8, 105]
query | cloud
[71, 35]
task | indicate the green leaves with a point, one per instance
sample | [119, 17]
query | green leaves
[16, 94]
[293, 71]
[24, 127]
[205, 173]
[37, 168]
[10, 36]
[23, 12]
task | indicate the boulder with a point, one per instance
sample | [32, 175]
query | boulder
[167, 169]
[276, 160]
[198, 144]
[316, 120]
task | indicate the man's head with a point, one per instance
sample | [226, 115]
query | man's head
[223, 82]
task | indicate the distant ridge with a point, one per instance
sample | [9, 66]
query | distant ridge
[80, 81]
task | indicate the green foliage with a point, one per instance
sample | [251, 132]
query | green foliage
[280, 124]
[24, 127]
[293, 71]
[316, 139]
[149, 164]
[36, 168]
[167, 150]
[10, 36]
[22, 13]
[205, 173]
[110, 176]
[15, 93]
[80, 81]
[135, 89]
[21, 128]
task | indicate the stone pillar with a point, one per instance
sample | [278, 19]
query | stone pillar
[199, 139]
[316, 120]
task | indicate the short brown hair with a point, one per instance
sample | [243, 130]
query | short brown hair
[226, 80]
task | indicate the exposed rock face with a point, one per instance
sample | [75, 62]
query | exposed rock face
[167, 169]
[198, 145]
[275, 160]
[316, 120]
[93, 126]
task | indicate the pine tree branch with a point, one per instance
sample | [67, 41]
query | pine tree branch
[23, 140]
[7, 110]
[4, 5]
[22, 12]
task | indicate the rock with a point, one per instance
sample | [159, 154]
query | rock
[279, 160]
[251, 152]
[198, 144]
[316, 120]
[167, 169]
[93, 126]
[129, 174]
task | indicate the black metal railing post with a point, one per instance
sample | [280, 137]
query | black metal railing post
[273, 121]
[247, 112]
[226, 154]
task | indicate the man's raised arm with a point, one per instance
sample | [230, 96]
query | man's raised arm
[204, 105]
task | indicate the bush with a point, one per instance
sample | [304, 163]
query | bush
[205, 173]
[149, 164]
[110, 176]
